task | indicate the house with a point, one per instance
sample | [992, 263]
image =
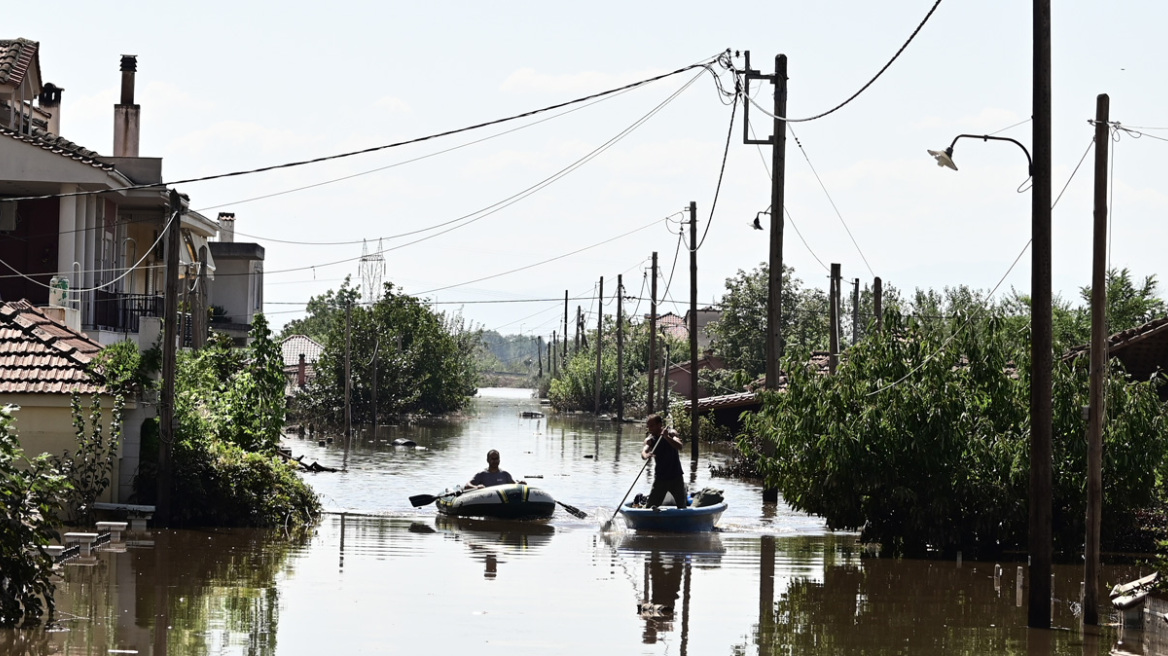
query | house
[42, 364]
[706, 316]
[300, 355]
[1143, 350]
[238, 294]
[81, 231]
[678, 376]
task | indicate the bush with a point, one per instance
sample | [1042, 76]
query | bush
[29, 493]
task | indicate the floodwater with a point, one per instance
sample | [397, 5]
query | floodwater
[377, 576]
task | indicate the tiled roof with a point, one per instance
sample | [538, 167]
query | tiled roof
[294, 345]
[15, 57]
[1143, 349]
[39, 355]
[59, 145]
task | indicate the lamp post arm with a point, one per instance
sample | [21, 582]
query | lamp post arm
[986, 137]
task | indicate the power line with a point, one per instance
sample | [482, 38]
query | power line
[830, 200]
[866, 85]
[373, 149]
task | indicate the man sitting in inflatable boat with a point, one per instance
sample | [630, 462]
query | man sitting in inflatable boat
[492, 475]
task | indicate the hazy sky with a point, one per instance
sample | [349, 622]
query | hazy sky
[231, 86]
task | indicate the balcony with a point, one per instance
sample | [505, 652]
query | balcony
[118, 312]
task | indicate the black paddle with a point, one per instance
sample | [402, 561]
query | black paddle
[576, 512]
[419, 500]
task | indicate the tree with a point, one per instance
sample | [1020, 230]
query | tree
[1128, 304]
[322, 312]
[425, 362]
[29, 493]
[921, 438]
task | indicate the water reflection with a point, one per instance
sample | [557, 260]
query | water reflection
[492, 540]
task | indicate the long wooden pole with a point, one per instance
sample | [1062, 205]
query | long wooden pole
[1042, 337]
[620, 350]
[167, 427]
[599, 340]
[774, 344]
[833, 311]
[693, 330]
[1097, 391]
[652, 334]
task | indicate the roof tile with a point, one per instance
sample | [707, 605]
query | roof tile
[39, 355]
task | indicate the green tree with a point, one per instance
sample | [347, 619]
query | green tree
[921, 439]
[423, 361]
[30, 490]
[255, 396]
[89, 469]
[322, 312]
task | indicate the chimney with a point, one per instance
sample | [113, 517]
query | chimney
[126, 112]
[301, 372]
[227, 227]
[50, 101]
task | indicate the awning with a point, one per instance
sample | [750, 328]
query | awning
[195, 245]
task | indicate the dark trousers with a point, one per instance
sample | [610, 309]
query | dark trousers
[675, 486]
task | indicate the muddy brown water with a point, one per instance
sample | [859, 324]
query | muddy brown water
[377, 576]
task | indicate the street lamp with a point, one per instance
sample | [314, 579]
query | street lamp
[1041, 342]
[945, 157]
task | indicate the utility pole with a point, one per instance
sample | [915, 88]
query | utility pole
[539, 353]
[348, 378]
[665, 377]
[778, 143]
[693, 329]
[620, 350]
[599, 339]
[564, 355]
[652, 334]
[878, 302]
[170, 335]
[856, 312]
[376, 346]
[833, 311]
[1097, 390]
[579, 314]
[1042, 338]
[553, 346]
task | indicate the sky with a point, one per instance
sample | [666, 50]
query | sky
[564, 198]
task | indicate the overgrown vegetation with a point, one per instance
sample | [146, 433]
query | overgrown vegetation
[88, 470]
[30, 489]
[402, 353]
[229, 407]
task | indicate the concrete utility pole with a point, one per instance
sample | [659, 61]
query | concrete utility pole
[1097, 391]
[170, 336]
[599, 339]
[652, 334]
[1042, 338]
[693, 329]
[833, 310]
[778, 143]
[620, 349]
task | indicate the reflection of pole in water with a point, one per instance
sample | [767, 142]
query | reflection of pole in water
[685, 611]
[662, 586]
[342, 564]
[766, 586]
[491, 567]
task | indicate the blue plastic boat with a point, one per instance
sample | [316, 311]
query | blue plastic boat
[671, 519]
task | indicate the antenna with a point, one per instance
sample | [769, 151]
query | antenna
[372, 270]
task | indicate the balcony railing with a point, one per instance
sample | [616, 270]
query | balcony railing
[121, 312]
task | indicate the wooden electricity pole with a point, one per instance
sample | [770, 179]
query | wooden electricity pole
[778, 143]
[599, 339]
[652, 334]
[1042, 336]
[856, 312]
[693, 329]
[170, 336]
[620, 350]
[878, 302]
[833, 310]
[564, 355]
[1098, 371]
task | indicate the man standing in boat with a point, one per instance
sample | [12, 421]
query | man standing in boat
[492, 475]
[664, 445]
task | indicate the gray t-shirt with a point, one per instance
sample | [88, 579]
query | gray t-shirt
[489, 478]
